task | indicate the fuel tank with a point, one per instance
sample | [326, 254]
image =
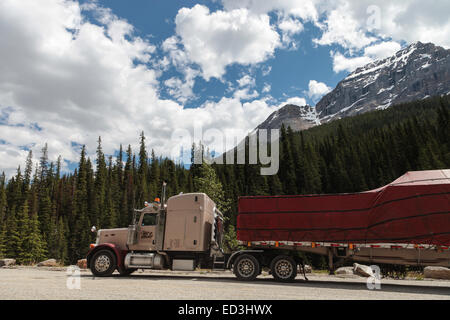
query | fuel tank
[144, 261]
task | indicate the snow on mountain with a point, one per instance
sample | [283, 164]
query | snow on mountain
[414, 73]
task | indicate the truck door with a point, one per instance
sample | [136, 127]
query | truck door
[147, 229]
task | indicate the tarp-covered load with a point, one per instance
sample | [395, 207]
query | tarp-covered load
[413, 209]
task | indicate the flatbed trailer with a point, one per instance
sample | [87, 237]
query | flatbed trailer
[404, 223]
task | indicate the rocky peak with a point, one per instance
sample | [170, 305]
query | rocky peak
[297, 117]
[413, 73]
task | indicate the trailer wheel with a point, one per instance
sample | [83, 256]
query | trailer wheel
[283, 268]
[103, 263]
[246, 267]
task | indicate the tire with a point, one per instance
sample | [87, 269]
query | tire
[283, 268]
[246, 267]
[103, 263]
[127, 272]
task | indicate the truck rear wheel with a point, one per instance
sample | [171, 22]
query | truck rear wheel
[103, 263]
[283, 268]
[246, 267]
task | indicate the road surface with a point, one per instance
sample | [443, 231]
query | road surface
[51, 283]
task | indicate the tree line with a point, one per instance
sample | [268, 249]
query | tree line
[45, 213]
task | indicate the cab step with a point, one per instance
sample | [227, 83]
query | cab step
[219, 263]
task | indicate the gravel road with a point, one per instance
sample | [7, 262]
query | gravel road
[51, 283]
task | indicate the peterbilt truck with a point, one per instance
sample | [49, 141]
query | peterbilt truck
[182, 234]
[406, 222]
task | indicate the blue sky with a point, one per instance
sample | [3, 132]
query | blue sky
[74, 70]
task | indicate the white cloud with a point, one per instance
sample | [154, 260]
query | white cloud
[77, 80]
[295, 101]
[407, 20]
[317, 89]
[218, 39]
[290, 27]
[375, 52]
[382, 50]
[304, 9]
[182, 91]
[346, 22]
[342, 63]
[266, 71]
[360, 26]
[245, 94]
[340, 27]
[267, 87]
[246, 81]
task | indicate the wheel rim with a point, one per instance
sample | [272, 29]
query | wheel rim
[246, 268]
[102, 263]
[284, 269]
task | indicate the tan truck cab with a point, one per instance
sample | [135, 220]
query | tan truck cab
[182, 234]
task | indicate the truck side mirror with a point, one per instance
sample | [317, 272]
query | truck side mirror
[94, 229]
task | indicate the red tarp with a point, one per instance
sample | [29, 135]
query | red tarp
[413, 209]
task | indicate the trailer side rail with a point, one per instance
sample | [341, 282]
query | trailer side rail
[310, 244]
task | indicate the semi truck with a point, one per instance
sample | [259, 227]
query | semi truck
[406, 223]
[182, 234]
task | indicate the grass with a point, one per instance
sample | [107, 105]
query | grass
[321, 271]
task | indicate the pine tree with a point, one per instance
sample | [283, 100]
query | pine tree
[275, 186]
[57, 246]
[110, 204]
[287, 171]
[28, 172]
[230, 241]
[45, 214]
[312, 182]
[154, 176]
[207, 182]
[62, 241]
[128, 187]
[81, 232]
[44, 202]
[33, 248]
[142, 190]
[98, 201]
[2, 241]
[3, 205]
[13, 241]
[173, 187]
[3, 200]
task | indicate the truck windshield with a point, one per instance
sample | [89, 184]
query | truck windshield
[149, 219]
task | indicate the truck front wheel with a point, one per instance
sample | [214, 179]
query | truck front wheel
[283, 268]
[246, 267]
[103, 263]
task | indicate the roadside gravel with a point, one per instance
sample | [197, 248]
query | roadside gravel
[51, 283]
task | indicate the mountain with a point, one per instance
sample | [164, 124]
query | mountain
[414, 73]
[298, 118]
